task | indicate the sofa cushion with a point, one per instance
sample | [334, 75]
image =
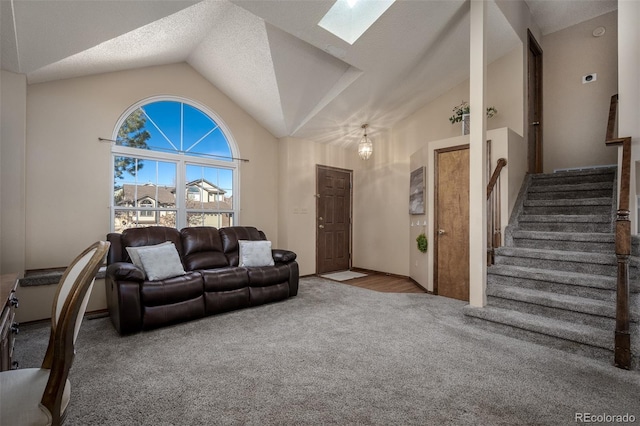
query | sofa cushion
[230, 237]
[225, 279]
[202, 248]
[255, 253]
[152, 235]
[172, 290]
[268, 275]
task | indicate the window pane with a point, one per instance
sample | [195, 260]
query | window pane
[145, 182]
[134, 132]
[219, 220]
[209, 188]
[164, 125]
[124, 219]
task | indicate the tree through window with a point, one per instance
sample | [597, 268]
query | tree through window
[173, 165]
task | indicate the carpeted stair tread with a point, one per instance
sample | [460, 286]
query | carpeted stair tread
[561, 255]
[566, 218]
[559, 301]
[572, 187]
[607, 172]
[580, 333]
[599, 237]
[570, 278]
[598, 201]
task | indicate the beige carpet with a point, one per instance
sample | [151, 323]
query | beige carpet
[333, 355]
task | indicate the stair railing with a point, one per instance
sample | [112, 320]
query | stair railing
[494, 222]
[622, 351]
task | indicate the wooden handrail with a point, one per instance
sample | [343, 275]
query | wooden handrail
[496, 174]
[611, 123]
[622, 351]
[494, 237]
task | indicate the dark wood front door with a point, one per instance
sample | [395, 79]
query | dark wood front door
[333, 219]
[534, 129]
[452, 223]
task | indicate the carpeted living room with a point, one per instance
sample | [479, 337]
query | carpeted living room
[241, 212]
[334, 354]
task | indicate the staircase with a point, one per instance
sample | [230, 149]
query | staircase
[554, 281]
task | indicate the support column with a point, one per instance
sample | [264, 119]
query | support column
[478, 156]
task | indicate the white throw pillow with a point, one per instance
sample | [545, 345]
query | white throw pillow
[255, 253]
[160, 262]
[135, 257]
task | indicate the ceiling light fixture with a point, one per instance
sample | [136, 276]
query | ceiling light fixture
[365, 147]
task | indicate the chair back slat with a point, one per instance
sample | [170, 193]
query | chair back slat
[69, 307]
[68, 280]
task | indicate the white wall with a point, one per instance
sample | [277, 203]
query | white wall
[575, 115]
[13, 109]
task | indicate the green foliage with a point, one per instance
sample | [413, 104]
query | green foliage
[132, 133]
[463, 108]
[423, 244]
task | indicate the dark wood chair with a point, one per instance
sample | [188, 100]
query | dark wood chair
[40, 396]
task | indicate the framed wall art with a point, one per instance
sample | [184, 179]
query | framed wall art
[416, 192]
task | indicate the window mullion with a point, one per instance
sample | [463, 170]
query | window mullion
[181, 215]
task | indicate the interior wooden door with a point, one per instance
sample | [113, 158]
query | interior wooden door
[452, 223]
[534, 95]
[333, 219]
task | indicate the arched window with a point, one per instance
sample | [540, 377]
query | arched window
[176, 160]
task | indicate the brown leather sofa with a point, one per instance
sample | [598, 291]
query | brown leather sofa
[213, 282]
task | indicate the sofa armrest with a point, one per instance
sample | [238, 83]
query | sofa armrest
[125, 271]
[283, 256]
[122, 286]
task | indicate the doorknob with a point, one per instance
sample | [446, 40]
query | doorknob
[321, 226]
[440, 231]
[535, 123]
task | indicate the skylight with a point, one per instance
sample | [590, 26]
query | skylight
[349, 19]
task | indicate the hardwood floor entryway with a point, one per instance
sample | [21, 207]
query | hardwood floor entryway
[379, 281]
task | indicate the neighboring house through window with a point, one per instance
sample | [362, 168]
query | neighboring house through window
[173, 165]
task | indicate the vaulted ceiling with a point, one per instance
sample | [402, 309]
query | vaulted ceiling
[270, 56]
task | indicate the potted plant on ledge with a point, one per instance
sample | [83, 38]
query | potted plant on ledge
[461, 114]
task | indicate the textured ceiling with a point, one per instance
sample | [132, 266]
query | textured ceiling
[554, 15]
[270, 56]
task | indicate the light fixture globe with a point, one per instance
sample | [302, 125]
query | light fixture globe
[365, 147]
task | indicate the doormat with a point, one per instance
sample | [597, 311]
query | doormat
[343, 276]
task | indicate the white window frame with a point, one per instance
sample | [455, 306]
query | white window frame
[181, 160]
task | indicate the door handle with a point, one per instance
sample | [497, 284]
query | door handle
[321, 226]
[440, 231]
[535, 123]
